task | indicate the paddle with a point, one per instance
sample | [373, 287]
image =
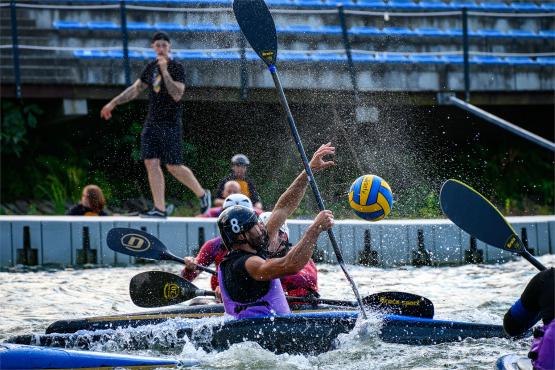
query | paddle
[158, 288]
[473, 213]
[138, 243]
[259, 29]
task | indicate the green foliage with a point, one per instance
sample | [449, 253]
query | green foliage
[16, 121]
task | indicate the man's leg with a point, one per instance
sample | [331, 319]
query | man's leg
[156, 181]
[186, 177]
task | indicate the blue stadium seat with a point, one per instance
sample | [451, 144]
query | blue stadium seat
[365, 31]
[470, 5]
[329, 30]
[546, 61]
[434, 5]
[202, 27]
[392, 58]
[230, 27]
[524, 7]
[118, 54]
[90, 54]
[139, 26]
[402, 4]
[226, 55]
[299, 29]
[548, 6]
[309, 3]
[169, 26]
[430, 32]
[279, 2]
[520, 61]
[193, 55]
[488, 33]
[548, 34]
[454, 32]
[426, 59]
[68, 25]
[103, 25]
[329, 57]
[294, 57]
[397, 31]
[493, 6]
[369, 4]
[522, 34]
[363, 58]
[453, 59]
[486, 59]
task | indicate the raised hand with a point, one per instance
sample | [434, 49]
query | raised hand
[318, 163]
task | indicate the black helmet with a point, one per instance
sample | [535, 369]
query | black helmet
[234, 221]
[240, 160]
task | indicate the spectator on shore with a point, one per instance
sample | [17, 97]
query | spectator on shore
[92, 203]
[239, 166]
[230, 187]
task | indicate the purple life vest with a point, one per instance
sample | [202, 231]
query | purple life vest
[542, 352]
[272, 303]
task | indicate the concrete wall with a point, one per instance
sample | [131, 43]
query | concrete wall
[63, 241]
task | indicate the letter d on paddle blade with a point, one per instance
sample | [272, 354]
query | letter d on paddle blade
[157, 289]
[257, 24]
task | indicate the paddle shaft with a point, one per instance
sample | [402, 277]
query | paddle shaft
[312, 181]
[524, 253]
[169, 256]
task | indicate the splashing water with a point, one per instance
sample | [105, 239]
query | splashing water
[474, 293]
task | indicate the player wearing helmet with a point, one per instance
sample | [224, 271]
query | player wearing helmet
[248, 279]
[239, 165]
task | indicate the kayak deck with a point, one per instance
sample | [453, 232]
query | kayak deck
[22, 357]
[302, 332]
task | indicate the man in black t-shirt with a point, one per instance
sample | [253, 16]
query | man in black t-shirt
[161, 139]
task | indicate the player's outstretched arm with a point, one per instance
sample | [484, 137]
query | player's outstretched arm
[126, 96]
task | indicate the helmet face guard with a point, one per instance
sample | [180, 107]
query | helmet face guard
[235, 221]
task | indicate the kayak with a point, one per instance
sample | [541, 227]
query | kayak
[513, 362]
[22, 357]
[304, 331]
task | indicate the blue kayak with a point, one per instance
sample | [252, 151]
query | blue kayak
[513, 362]
[22, 357]
[301, 332]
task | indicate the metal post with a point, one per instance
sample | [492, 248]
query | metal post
[243, 72]
[347, 45]
[465, 55]
[15, 49]
[125, 42]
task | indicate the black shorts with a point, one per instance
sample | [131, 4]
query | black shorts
[162, 142]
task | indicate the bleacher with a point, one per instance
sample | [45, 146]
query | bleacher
[81, 43]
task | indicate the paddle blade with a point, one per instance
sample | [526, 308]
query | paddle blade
[258, 26]
[136, 243]
[400, 303]
[158, 289]
[473, 213]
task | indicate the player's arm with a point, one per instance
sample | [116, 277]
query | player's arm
[126, 96]
[265, 270]
[289, 201]
[175, 88]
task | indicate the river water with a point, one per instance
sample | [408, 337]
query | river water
[474, 293]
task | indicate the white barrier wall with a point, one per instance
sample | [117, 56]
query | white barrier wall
[66, 240]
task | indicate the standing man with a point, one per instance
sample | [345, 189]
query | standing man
[239, 165]
[161, 139]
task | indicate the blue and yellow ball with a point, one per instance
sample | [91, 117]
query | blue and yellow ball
[370, 198]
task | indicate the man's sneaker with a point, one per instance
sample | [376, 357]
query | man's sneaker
[153, 213]
[205, 201]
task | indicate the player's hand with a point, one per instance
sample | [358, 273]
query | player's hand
[218, 293]
[190, 263]
[106, 111]
[323, 221]
[162, 63]
[318, 163]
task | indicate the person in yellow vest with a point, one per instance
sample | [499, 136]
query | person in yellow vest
[239, 166]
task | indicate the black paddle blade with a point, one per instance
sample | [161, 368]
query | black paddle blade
[473, 213]
[400, 303]
[136, 243]
[258, 26]
[158, 289]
